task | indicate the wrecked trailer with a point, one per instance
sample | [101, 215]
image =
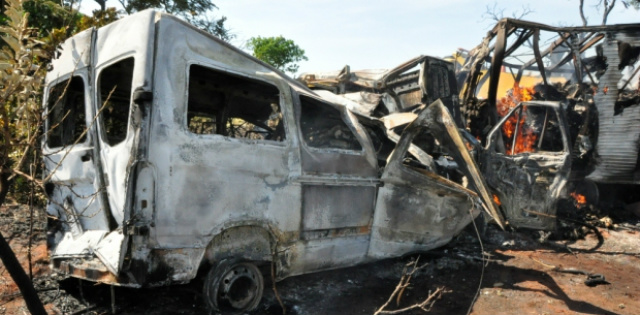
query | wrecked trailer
[170, 152]
[591, 74]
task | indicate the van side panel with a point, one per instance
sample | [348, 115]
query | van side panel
[207, 183]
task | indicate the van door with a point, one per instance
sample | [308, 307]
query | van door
[527, 163]
[417, 209]
[116, 138]
[72, 174]
[77, 185]
[91, 176]
[122, 63]
[339, 179]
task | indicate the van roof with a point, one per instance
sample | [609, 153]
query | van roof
[158, 15]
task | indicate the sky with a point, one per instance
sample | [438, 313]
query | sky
[381, 34]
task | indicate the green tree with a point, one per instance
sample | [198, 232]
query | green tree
[279, 52]
[54, 21]
[47, 15]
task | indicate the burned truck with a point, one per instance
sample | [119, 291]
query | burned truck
[587, 134]
[169, 152]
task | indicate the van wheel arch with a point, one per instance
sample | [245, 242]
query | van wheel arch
[247, 242]
[232, 259]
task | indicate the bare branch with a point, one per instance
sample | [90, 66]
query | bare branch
[608, 6]
[492, 13]
[425, 305]
[584, 19]
[526, 10]
[28, 177]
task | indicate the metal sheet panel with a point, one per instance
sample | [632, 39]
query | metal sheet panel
[618, 135]
[208, 183]
[348, 206]
[76, 55]
[78, 246]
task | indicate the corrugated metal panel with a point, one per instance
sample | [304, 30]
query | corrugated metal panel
[619, 135]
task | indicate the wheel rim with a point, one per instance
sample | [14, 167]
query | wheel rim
[239, 286]
[234, 287]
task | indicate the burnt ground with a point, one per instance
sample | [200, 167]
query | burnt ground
[522, 276]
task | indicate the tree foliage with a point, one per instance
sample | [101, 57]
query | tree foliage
[55, 22]
[197, 12]
[632, 3]
[279, 52]
[215, 27]
[97, 19]
[59, 20]
[47, 15]
[21, 77]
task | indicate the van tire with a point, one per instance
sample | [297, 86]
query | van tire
[233, 287]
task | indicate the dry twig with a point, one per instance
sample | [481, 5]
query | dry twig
[425, 305]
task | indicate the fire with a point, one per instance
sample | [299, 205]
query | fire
[526, 138]
[581, 200]
[496, 200]
[468, 145]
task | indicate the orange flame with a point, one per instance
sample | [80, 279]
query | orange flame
[581, 200]
[468, 145]
[496, 200]
[525, 139]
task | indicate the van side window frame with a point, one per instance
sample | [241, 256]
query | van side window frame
[268, 128]
[521, 119]
[343, 115]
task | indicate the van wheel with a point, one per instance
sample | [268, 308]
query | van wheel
[233, 287]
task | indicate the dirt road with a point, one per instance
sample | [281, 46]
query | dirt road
[520, 276]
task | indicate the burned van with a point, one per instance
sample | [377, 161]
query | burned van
[168, 151]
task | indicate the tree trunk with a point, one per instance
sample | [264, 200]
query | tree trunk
[20, 278]
[4, 184]
[608, 6]
[103, 4]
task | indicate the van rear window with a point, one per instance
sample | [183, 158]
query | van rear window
[66, 119]
[115, 99]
